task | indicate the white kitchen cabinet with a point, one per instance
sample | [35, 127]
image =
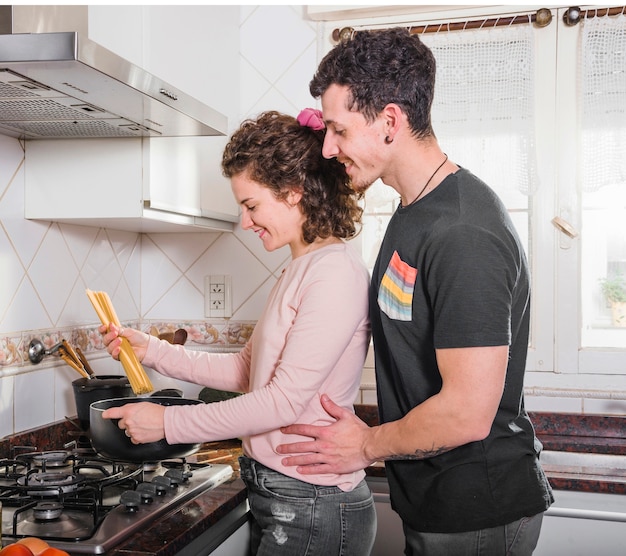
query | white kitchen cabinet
[148, 184]
[583, 523]
[238, 544]
[230, 536]
[577, 524]
[195, 162]
[121, 184]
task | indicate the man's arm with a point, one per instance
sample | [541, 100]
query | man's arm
[463, 411]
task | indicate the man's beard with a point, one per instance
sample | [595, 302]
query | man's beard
[361, 185]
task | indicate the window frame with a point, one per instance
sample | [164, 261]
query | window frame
[555, 356]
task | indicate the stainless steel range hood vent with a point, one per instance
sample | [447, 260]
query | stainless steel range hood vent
[57, 85]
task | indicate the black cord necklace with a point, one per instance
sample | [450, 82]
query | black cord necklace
[424, 188]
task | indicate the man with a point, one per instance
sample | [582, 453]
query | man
[450, 310]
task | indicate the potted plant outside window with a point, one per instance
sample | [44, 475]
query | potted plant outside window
[614, 289]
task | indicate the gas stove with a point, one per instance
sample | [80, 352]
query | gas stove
[82, 503]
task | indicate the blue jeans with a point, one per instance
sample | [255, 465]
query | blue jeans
[294, 518]
[514, 539]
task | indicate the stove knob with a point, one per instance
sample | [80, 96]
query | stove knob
[151, 489]
[182, 475]
[131, 499]
[167, 482]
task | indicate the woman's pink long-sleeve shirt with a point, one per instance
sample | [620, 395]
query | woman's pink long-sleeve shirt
[311, 338]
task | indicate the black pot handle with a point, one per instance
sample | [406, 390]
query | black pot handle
[168, 393]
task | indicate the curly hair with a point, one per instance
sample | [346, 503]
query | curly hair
[277, 152]
[381, 67]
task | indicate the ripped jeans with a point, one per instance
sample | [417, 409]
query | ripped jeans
[294, 518]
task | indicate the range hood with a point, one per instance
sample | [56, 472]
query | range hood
[61, 84]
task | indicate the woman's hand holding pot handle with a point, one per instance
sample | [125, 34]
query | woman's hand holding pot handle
[142, 422]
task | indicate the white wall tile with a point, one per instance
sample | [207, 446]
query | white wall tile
[593, 406]
[53, 272]
[253, 85]
[294, 83]
[80, 241]
[251, 308]
[77, 309]
[158, 274]
[369, 397]
[11, 155]
[185, 250]
[273, 99]
[26, 235]
[101, 270]
[272, 260]
[265, 34]
[369, 376]
[170, 308]
[132, 271]
[34, 399]
[11, 276]
[64, 403]
[6, 406]
[126, 306]
[106, 366]
[553, 404]
[229, 256]
[26, 310]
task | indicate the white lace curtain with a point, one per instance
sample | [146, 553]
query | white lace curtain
[484, 103]
[603, 90]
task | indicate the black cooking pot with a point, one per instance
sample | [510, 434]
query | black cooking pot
[102, 387]
[111, 441]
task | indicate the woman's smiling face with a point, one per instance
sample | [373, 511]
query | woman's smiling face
[277, 222]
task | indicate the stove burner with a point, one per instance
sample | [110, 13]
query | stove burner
[47, 511]
[49, 484]
[150, 466]
[45, 460]
[51, 459]
[85, 452]
[70, 524]
[12, 468]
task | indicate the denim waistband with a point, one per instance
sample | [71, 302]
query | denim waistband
[251, 468]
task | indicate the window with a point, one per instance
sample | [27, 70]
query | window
[540, 115]
[603, 180]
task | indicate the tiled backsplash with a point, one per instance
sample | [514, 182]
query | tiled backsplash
[32, 395]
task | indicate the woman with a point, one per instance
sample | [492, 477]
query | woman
[311, 338]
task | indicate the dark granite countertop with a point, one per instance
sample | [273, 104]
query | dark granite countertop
[173, 531]
[562, 432]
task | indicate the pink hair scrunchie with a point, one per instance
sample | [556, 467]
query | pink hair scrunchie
[310, 117]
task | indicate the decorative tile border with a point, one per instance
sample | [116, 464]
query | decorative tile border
[225, 334]
[202, 335]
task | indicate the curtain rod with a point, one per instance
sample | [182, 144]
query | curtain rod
[618, 10]
[541, 18]
[573, 15]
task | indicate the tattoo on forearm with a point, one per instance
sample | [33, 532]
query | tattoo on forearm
[422, 454]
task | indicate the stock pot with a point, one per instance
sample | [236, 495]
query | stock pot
[99, 387]
[111, 441]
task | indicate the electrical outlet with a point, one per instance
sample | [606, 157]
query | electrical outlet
[217, 296]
